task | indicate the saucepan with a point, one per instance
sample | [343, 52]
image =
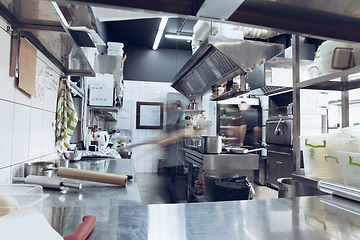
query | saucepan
[40, 168]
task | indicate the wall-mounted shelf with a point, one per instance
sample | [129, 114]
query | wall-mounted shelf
[229, 94]
[100, 108]
[106, 113]
[47, 26]
[107, 116]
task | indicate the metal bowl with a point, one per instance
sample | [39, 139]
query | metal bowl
[73, 156]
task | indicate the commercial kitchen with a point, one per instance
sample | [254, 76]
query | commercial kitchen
[97, 93]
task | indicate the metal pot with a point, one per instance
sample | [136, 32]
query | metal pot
[211, 144]
[40, 169]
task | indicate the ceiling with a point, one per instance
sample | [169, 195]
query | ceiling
[324, 19]
[142, 32]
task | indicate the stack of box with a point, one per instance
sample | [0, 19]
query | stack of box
[333, 157]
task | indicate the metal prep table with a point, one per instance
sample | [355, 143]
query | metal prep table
[120, 215]
[316, 218]
[218, 166]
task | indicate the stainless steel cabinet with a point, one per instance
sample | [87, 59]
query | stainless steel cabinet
[279, 165]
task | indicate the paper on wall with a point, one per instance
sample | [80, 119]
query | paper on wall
[27, 67]
[281, 77]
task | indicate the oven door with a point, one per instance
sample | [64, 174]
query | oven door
[279, 131]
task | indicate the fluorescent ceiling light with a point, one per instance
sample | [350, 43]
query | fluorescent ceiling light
[157, 40]
[181, 37]
[163, 23]
[160, 32]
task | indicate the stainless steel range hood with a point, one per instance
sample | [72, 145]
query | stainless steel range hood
[220, 59]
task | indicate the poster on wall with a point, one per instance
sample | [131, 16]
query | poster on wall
[40, 79]
[27, 67]
[149, 115]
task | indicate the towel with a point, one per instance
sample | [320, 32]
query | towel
[66, 117]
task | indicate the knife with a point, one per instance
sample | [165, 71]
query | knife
[84, 229]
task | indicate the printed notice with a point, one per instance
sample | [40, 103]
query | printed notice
[150, 115]
[50, 81]
[27, 67]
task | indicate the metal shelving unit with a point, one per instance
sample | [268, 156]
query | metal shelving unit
[338, 81]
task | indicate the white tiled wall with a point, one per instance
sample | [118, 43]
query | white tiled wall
[146, 157]
[25, 121]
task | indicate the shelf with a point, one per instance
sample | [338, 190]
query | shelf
[198, 197]
[229, 94]
[332, 81]
[338, 102]
[278, 91]
[193, 111]
[106, 116]
[46, 25]
[103, 108]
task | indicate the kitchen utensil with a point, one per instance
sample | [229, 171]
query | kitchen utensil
[62, 163]
[211, 144]
[73, 155]
[102, 137]
[48, 182]
[40, 168]
[93, 176]
[125, 154]
[92, 164]
[84, 229]
[241, 150]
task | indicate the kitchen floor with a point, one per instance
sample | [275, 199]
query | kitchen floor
[154, 189]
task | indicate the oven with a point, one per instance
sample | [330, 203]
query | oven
[279, 139]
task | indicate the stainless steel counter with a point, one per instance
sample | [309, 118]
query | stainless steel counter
[98, 194]
[121, 216]
[316, 217]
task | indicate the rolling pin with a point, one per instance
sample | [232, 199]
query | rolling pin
[92, 176]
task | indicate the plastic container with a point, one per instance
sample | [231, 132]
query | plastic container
[21, 189]
[24, 201]
[322, 159]
[324, 54]
[351, 166]
[353, 131]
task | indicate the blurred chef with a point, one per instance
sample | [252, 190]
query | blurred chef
[248, 129]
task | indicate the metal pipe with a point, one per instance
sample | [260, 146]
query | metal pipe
[47, 182]
[339, 190]
[344, 104]
[296, 103]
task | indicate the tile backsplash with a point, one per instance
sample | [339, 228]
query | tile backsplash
[26, 122]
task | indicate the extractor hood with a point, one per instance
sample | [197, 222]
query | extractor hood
[218, 60]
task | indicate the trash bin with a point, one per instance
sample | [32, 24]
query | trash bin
[233, 189]
[286, 188]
